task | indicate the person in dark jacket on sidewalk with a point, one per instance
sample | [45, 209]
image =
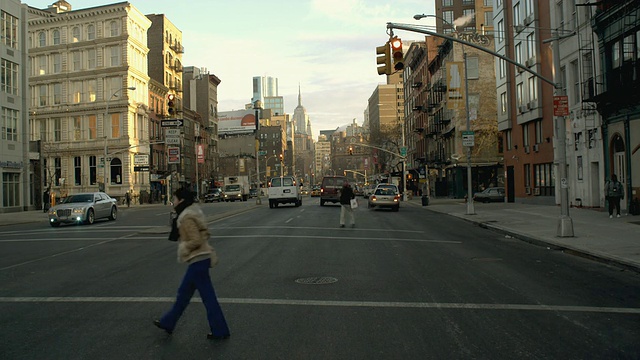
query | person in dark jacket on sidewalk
[190, 230]
[346, 194]
[614, 192]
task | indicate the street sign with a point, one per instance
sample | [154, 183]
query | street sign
[262, 153]
[140, 168]
[468, 138]
[560, 105]
[172, 140]
[174, 155]
[141, 160]
[172, 132]
[403, 151]
[172, 122]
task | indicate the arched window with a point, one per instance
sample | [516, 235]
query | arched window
[56, 37]
[91, 32]
[114, 28]
[115, 176]
[75, 34]
[42, 39]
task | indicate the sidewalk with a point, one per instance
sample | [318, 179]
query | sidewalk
[614, 241]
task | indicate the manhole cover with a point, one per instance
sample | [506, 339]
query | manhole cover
[317, 280]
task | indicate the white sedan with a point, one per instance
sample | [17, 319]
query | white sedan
[83, 208]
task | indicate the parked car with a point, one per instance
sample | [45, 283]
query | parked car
[330, 189]
[83, 208]
[492, 194]
[385, 196]
[214, 195]
[315, 191]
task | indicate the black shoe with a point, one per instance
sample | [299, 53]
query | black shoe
[210, 336]
[157, 323]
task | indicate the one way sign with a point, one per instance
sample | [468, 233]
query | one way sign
[173, 122]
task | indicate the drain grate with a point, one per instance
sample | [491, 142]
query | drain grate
[317, 280]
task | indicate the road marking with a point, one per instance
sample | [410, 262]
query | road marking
[374, 304]
[133, 237]
[322, 228]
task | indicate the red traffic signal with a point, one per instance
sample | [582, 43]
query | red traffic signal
[396, 53]
[171, 104]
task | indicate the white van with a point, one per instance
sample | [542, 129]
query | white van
[284, 190]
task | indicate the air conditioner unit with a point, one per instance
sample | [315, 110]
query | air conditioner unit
[536, 191]
[529, 19]
[527, 190]
[533, 104]
[519, 28]
[526, 149]
[536, 147]
[523, 108]
[530, 62]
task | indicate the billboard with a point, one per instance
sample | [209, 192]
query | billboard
[236, 122]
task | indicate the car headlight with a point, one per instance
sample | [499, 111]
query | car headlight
[52, 211]
[78, 210]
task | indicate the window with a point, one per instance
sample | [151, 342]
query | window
[115, 176]
[627, 48]
[113, 26]
[575, 74]
[42, 65]
[76, 92]
[527, 175]
[91, 90]
[9, 30]
[9, 124]
[533, 88]
[57, 129]
[77, 128]
[57, 63]
[488, 2]
[488, 18]
[115, 126]
[472, 67]
[93, 178]
[91, 32]
[516, 14]
[538, 125]
[508, 139]
[448, 15]
[544, 178]
[503, 103]
[10, 189]
[500, 34]
[525, 134]
[42, 39]
[9, 77]
[519, 94]
[529, 7]
[57, 93]
[77, 170]
[56, 37]
[503, 68]
[615, 54]
[560, 15]
[91, 59]
[75, 34]
[531, 46]
[114, 56]
[638, 44]
[468, 12]
[518, 53]
[447, 2]
[93, 127]
[76, 61]
[42, 95]
[57, 163]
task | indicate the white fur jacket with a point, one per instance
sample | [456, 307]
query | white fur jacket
[194, 234]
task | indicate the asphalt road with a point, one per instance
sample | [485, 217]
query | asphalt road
[411, 284]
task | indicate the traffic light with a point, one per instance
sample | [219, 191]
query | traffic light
[396, 52]
[281, 158]
[350, 150]
[383, 57]
[171, 104]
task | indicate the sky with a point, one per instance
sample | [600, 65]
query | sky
[327, 47]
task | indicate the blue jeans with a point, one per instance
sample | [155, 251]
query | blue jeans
[197, 277]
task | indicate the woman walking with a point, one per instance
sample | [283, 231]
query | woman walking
[346, 194]
[191, 232]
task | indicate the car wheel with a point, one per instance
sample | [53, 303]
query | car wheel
[91, 217]
[114, 213]
[54, 224]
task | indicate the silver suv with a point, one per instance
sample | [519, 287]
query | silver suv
[284, 190]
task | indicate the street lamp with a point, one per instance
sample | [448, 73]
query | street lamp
[257, 105]
[470, 209]
[104, 132]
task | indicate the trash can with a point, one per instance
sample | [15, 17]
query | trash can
[425, 200]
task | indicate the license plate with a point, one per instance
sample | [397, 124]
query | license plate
[286, 191]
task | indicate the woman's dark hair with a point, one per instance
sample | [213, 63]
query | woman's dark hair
[614, 177]
[184, 194]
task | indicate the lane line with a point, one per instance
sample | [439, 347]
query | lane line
[372, 304]
[245, 237]
[323, 228]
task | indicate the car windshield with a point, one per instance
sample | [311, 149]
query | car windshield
[385, 191]
[232, 188]
[82, 198]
